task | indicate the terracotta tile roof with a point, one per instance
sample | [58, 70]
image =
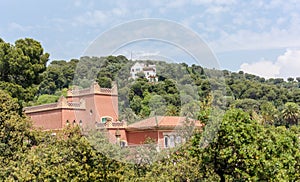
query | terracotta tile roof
[162, 122]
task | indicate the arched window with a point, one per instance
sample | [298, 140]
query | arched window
[104, 119]
[74, 122]
[172, 141]
[178, 140]
[166, 141]
[67, 123]
[80, 123]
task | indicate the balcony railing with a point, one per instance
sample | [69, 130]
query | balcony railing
[116, 124]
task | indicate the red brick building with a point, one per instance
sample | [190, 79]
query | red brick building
[97, 107]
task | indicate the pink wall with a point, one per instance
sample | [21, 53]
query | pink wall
[47, 119]
[106, 105]
[139, 137]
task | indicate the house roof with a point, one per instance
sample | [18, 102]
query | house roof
[137, 64]
[162, 122]
[149, 69]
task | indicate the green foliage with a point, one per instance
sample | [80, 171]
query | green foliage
[269, 113]
[247, 105]
[45, 99]
[290, 113]
[104, 82]
[233, 151]
[21, 66]
[67, 156]
[180, 86]
[241, 146]
[244, 150]
[59, 75]
[15, 134]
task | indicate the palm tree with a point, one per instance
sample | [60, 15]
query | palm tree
[269, 113]
[290, 113]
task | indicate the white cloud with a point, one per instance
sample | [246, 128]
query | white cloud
[18, 27]
[289, 63]
[176, 3]
[119, 11]
[77, 3]
[263, 68]
[92, 18]
[216, 10]
[140, 55]
[250, 40]
[97, 17]
[262, 23]
[286, 65]
[271, 27]
[219, 2]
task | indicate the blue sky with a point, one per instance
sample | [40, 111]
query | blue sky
[260, 37]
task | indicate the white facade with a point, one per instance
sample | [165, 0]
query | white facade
[148, 70]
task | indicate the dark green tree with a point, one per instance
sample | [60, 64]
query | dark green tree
[21, 66]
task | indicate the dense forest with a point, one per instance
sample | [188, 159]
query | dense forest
[251, 131]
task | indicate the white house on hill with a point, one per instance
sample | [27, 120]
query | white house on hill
[149, 71]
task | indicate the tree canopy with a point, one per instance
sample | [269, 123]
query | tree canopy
[21, 66]
[257, 139]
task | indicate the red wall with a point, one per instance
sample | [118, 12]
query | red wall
[139, 137]
[97, 106]
[106, 105]
[47, 119]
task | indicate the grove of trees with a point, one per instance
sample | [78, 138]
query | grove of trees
[251, 132]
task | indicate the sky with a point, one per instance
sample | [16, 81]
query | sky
[258, 37]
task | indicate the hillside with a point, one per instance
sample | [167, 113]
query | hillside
[251, 130]
[181, 89]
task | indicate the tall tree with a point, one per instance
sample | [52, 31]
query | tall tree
[30, 62]
[15, 135]
[21, 66]
[290, 113]
[269, 112]
[233, 152]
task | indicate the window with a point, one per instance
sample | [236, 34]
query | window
[80, 123]
[132, 70]
[74, 122]
[166, 140]
[67, 123]
[178, 140]
[123, 144]
[103, 120]
[137, 69]
[172, 140]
